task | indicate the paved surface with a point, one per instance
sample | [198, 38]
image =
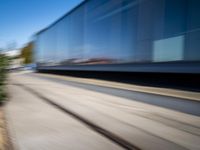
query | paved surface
[184, 101]
[124, 86]
[44, 114]
[37, 125]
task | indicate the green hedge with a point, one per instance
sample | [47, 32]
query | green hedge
[4, 62]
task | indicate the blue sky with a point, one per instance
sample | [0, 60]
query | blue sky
[20, 19]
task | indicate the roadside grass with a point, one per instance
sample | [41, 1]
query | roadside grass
[4, 139]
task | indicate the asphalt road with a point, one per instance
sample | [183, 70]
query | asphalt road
[179, 104]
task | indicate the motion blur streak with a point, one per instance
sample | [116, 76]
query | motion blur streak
[141, 125]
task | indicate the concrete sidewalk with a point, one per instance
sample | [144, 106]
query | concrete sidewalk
[35, 125]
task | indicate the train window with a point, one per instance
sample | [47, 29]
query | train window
[170, 49]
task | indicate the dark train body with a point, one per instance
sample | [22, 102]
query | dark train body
[159, 36]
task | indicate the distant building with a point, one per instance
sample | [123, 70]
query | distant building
[12, 53]
[16, 61]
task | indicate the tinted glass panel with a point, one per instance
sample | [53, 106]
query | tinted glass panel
[120, 31]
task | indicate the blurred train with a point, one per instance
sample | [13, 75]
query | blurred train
[123, 36]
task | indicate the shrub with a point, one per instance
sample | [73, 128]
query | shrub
[4, 62]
